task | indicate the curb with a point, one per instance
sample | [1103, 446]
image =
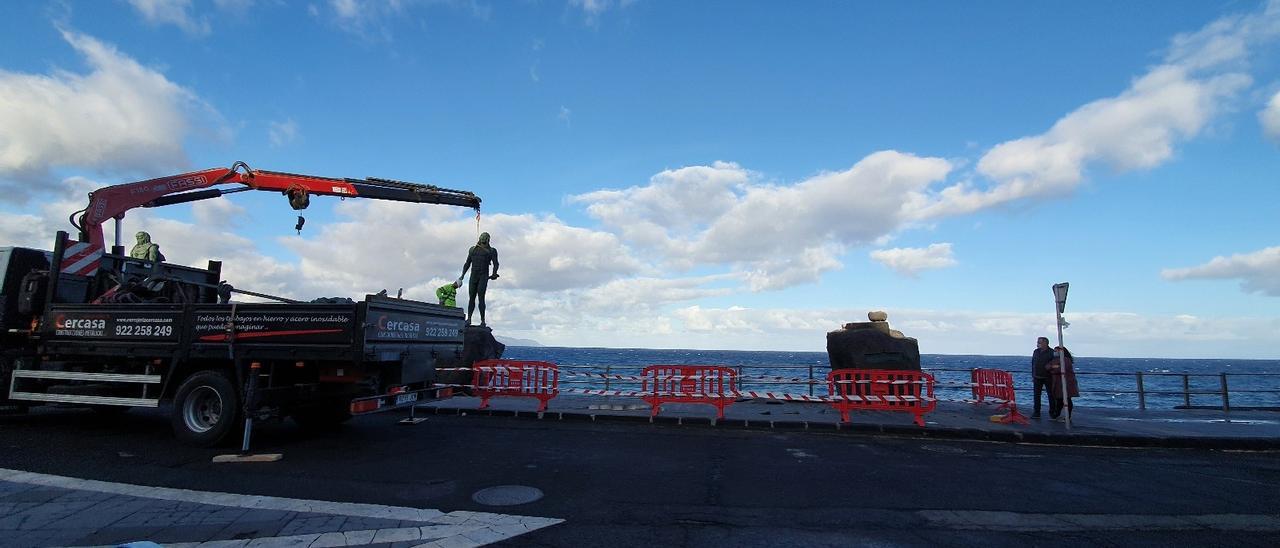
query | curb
[1097, 440]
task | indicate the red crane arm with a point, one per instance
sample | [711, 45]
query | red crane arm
[113, 202]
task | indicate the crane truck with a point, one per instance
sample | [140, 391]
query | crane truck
[83, 325]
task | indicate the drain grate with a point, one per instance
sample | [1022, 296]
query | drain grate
[506, 495]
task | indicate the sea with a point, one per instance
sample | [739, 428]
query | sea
[1104, 382]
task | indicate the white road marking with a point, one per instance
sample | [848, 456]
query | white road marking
[458, 528]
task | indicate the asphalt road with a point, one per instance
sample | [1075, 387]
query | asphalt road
[637, 484]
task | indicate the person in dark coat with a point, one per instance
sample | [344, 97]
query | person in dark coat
[1040, 372]
[1057, 374]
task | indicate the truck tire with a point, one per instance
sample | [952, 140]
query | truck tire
[322, 416]
[206, 409]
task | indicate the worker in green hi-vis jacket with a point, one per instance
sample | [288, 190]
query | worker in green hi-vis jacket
[448, 294]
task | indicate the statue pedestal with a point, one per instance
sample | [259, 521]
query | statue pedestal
[872, 345]
[478, 345]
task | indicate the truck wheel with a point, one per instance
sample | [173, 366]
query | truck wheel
[205, 409]
[325, 416]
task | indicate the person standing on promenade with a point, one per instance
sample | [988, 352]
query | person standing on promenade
[478, 259]
[1057, 374]
[1040, 373]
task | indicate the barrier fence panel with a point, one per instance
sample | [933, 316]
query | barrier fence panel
[998, 385]
[516, 378]
[715, 385]
[881, 390]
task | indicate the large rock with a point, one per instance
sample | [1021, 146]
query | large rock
[478, 344]
[872, 345]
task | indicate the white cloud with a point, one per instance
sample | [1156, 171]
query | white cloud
[119, 117]
[218, 213]
[366, 18]
[237, 6]
[1137, 129]
[593, 9]
[175, 12]
[1270, 117]
[674, 204]
[776, 235]
[1258, 272]
[400, 245]
[565, 115]
[374, 19]
[282, 133]
[910, 261]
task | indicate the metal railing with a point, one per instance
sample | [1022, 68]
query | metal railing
[1193, 386]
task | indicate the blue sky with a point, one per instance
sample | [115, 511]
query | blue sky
[700, 175]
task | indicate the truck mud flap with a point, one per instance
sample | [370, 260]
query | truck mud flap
[387, 402]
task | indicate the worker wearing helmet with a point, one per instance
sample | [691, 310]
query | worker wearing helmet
[448, 293]
[478, 260]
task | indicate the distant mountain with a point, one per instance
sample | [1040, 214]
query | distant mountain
[512, 341]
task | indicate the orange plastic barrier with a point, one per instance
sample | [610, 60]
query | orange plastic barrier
[715, 385]
[881, 390]
[515, 378]
[998, 385]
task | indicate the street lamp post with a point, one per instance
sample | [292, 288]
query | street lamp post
[1060, 297]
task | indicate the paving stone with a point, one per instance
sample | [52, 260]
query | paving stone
[443, 531]
[397, 535]
[32, 538]
[64, 536]
[358, 523]
[329, 540]
[359, 537]
[270, 515]
[9, 488]
[188, 533]
[297, 541]
[98, 518]
[484, 535]
[307, 525]
[224, 515]
[146, 518]
[453, 542]
[250, 529]
[118, 535]
[83, 496]
[37, 494]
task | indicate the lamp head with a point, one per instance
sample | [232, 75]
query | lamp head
[1060, 295]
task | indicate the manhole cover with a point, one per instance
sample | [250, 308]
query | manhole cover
[507, 495]
[943, 449]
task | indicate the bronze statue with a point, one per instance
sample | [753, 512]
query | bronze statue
[478, 259]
